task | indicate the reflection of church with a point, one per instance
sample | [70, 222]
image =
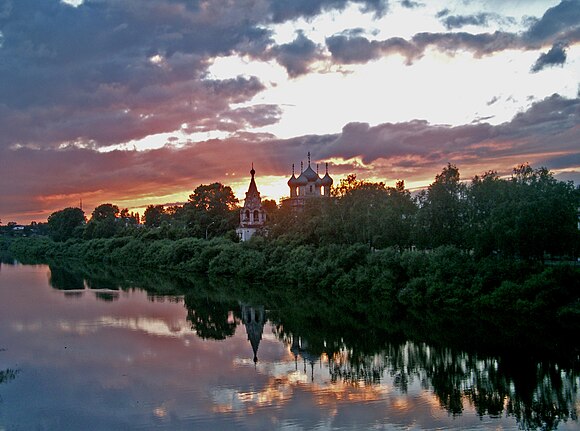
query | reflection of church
[301, 348]
[252, 214]
[307, 185]
[254, 319]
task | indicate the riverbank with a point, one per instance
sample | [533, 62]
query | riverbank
[443, 281]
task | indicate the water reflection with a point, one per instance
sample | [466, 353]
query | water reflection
[8, 374]
[301, 358]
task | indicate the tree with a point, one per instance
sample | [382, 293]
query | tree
[485, 195]
[213, 198]
[270, 206]
[129, 218]
[211, 209]
[104, 222]
[155, 215]
[105, 212]
[526, 215]
[442, 215]
[538, 215]
[66, 223]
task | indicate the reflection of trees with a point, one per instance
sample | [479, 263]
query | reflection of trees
[107, 296]
[366, 350]
[73, 276]
[355, 371]
[63, 279]
[538, 394]
[544, 396]
[8, 375]
[210, 319]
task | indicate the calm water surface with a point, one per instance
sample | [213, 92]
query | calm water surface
[102, 359]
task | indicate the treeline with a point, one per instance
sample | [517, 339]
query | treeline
[528, 215]
[209, 206]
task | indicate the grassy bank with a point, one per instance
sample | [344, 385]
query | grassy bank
[415, 283]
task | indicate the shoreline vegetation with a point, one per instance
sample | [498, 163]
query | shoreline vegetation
[491, 247]
[444, 280]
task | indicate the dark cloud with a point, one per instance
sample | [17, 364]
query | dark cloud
[236, 119]
[352, 49]
[298, 55]
[115, 113]
[284, 10]
[109, 72]
[457, 21]
[409, 4]
[560, 23]
[481, 19]
[556, 56]
[359, 49]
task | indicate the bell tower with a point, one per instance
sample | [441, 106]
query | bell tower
[252, 215]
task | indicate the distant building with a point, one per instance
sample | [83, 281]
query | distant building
[307, 185]
[252, 214]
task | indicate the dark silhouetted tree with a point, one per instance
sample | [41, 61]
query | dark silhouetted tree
[211, 208]
[104, 222]
[442, 214]
[66, 223]
[155, 215]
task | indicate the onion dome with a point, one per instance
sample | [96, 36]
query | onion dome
[310, 175]
[301, 180]
[293, 182]
[326, 179]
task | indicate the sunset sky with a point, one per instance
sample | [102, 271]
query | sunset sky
[138, 102]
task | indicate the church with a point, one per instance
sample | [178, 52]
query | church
[308, 185]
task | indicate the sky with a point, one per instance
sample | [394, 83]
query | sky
[137, 103]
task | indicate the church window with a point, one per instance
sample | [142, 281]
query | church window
[256, 215]
[310, 189]
[247, 214]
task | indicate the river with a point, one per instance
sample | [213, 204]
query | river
[85, 353]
